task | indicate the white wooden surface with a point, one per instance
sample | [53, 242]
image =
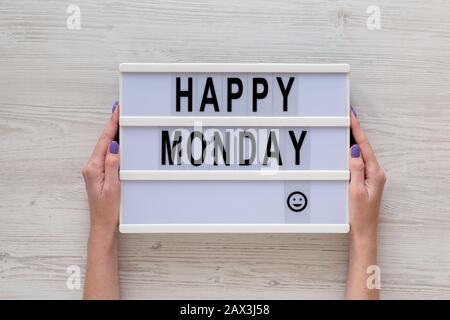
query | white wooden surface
[57, 87]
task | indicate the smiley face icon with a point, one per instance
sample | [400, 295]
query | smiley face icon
[297, 201]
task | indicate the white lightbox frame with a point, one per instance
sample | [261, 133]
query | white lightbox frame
[220, 121]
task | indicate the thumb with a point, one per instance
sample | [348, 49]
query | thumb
[356, 168]
[112, 165]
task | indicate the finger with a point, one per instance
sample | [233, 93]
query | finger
[112, 166]
[370, 161]
[108, 135]
[356, 168]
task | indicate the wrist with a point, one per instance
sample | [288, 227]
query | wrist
[102, 233]
[363, 241]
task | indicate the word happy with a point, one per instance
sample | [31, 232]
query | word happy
[234, 91]
[228, 146]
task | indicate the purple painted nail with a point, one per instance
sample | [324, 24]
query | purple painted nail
[356, 151]
[115, 106]
[114, 147]
[354, 112]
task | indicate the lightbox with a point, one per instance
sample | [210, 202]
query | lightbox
[234, 147]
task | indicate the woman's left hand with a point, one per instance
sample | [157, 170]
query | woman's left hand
[101, 176]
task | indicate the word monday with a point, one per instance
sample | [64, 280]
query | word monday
[234, 91]
[230, 146]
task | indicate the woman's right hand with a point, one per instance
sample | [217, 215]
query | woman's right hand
[367, 181]
[366, 185]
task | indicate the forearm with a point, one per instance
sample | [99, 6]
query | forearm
[362, 254]
[102, 278]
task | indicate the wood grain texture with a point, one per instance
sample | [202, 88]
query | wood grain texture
[57, 85]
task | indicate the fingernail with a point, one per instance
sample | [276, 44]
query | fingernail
[115, 106]
[356, 151]
[354, 112]
[114, 147]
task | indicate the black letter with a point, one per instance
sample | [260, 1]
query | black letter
[275, 153]
[259, 95]
[233, 95]
[165, 147]
[219, 147]
[213, 100]
[285, 91]
[297, 144]
[184, 93]
[192, 136]
[246, 135]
